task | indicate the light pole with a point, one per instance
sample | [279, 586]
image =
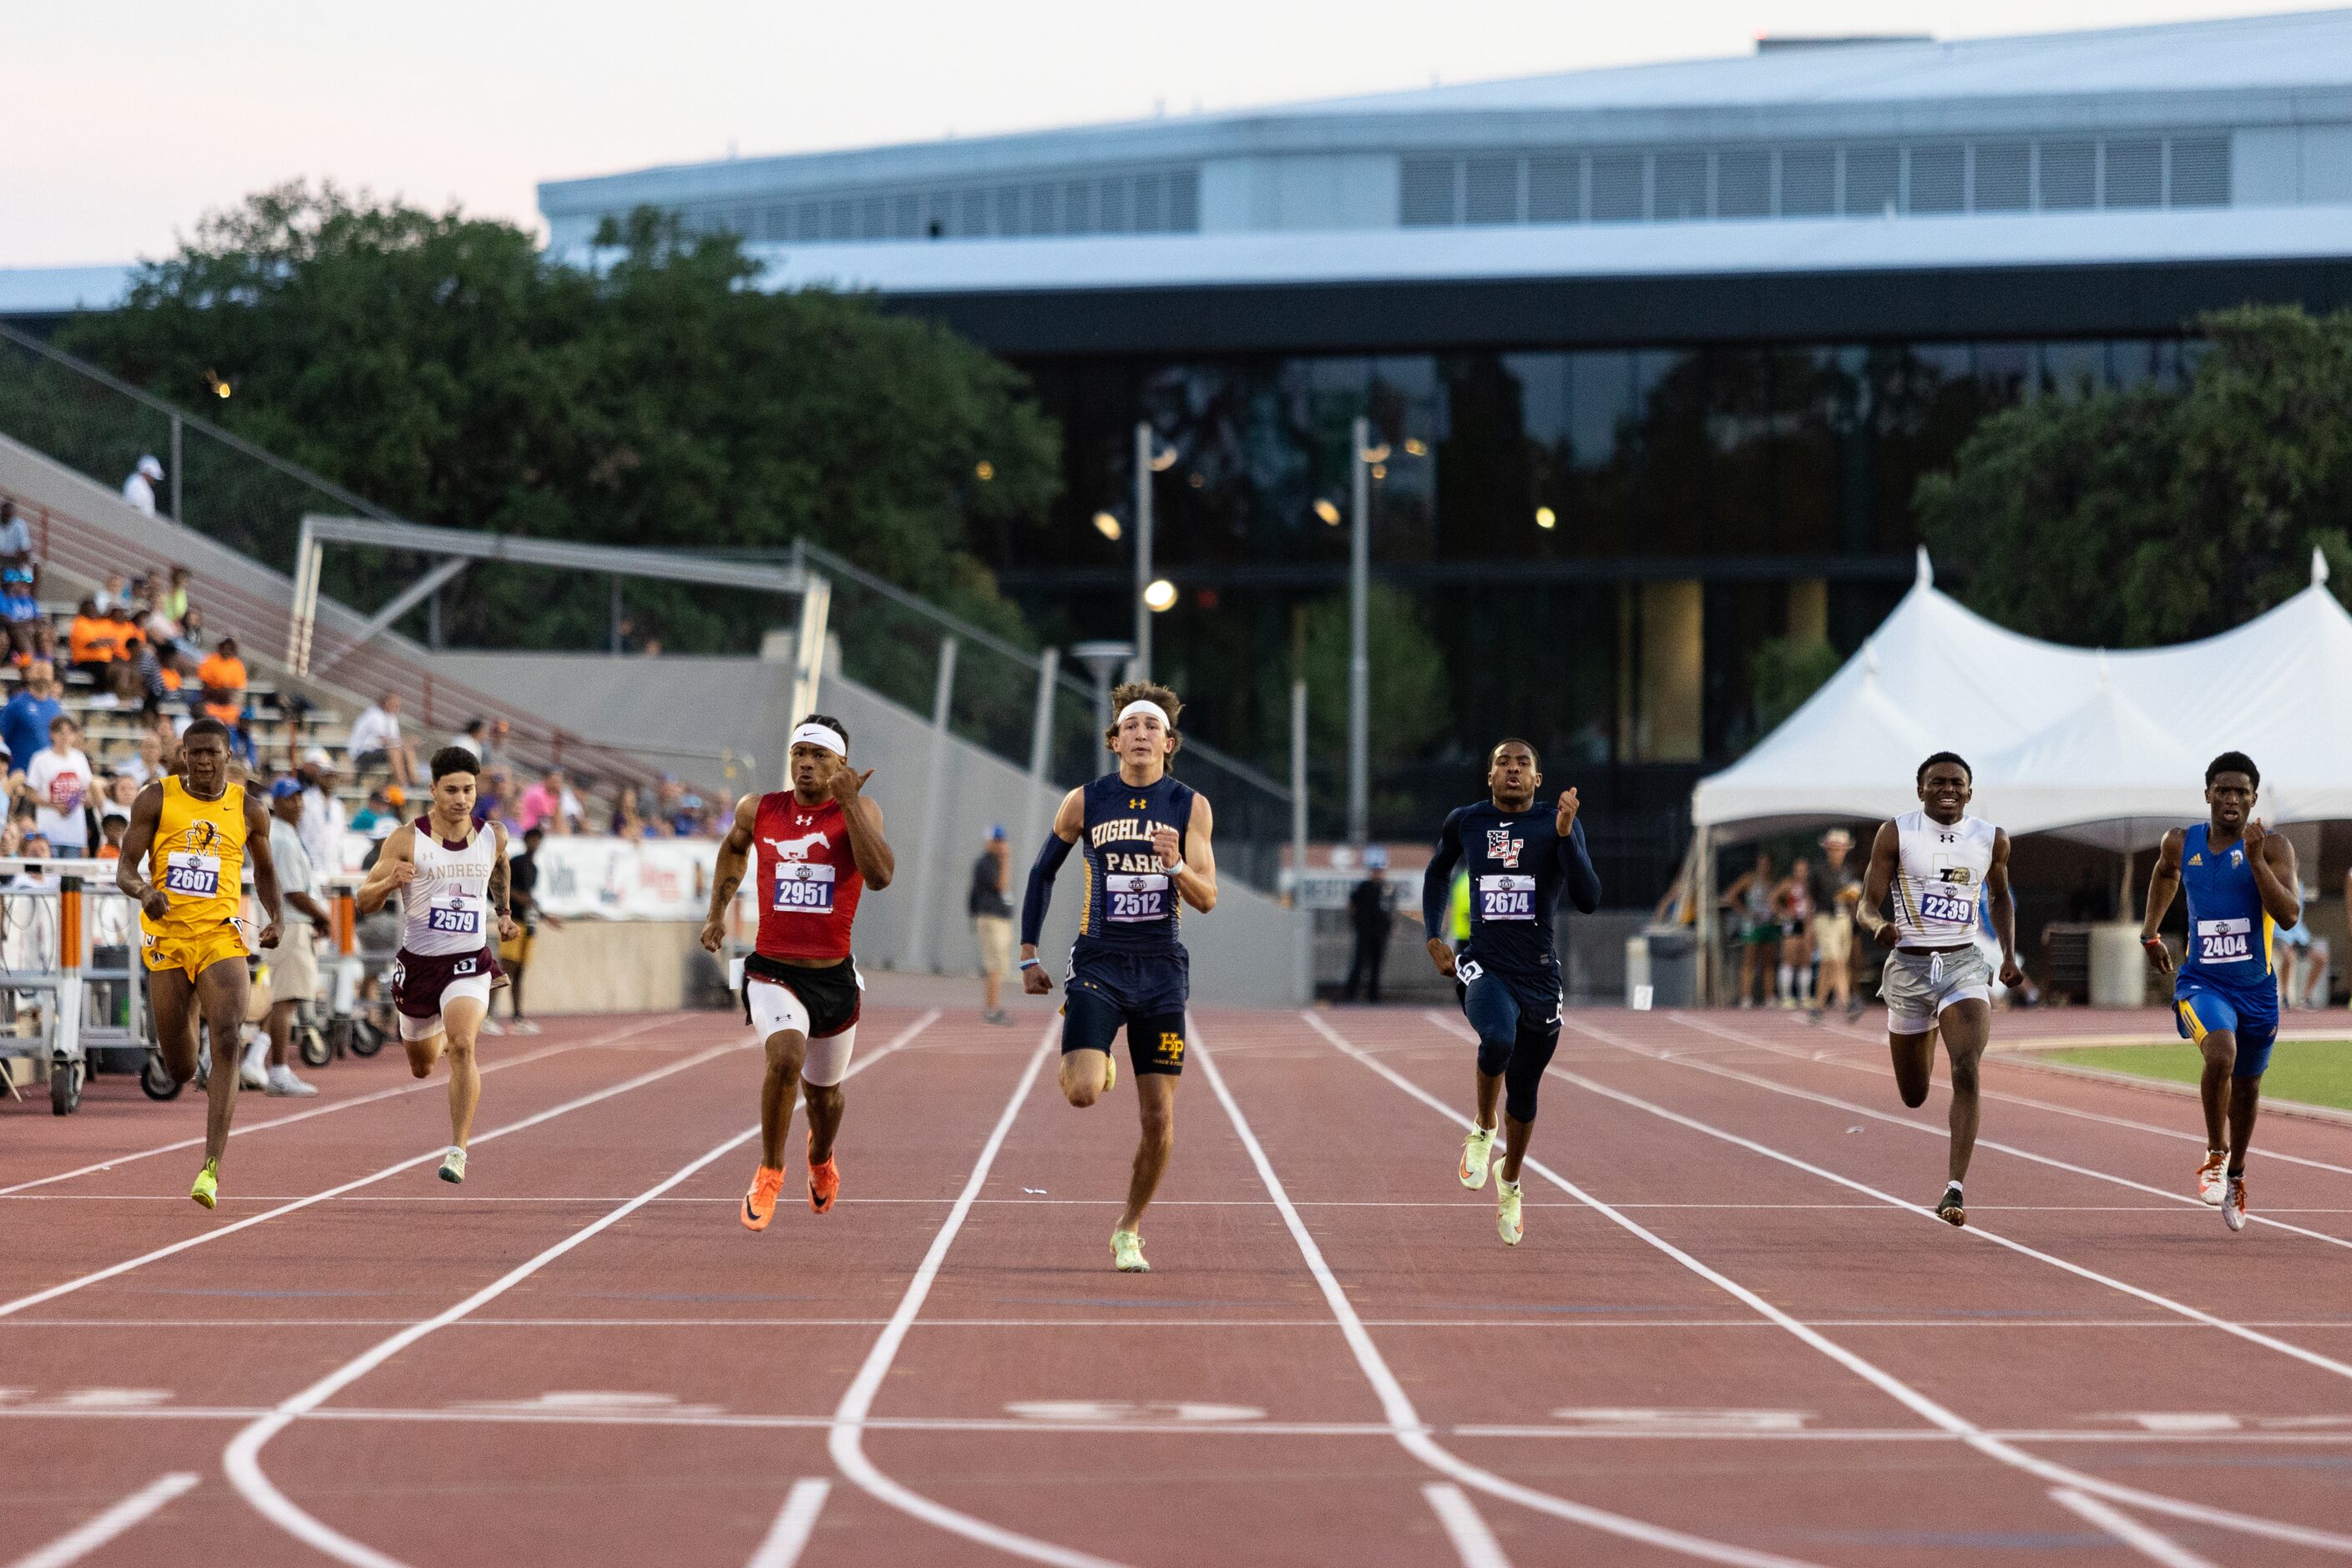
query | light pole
[1142, 548]
[1359, 661]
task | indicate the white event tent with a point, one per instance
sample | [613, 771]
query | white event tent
[2108, 748]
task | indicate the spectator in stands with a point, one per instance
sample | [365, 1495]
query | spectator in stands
[89, 645]
[192, 636]
[384, 804]
[474, 737]
[376, 743]
[24, 721]
[175, 602]
[139, 490]
[59, 783]
[669, 805]
[16, 539]
[112, 823]
[494, 744]
[628, 817]
[322, 824]
[223, 679]
[111, 594]
[542, 804]
[28, 633]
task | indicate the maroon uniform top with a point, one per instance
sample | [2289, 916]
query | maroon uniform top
[808, 883]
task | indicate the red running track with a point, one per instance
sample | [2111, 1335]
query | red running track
[1730, 1335]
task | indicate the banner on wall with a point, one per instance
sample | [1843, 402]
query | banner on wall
[615, 878]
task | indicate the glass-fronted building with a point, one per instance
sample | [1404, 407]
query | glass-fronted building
[1654, 357]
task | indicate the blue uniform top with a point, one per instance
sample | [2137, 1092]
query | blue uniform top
[2229, 933]
[1517, 865]
[1131, 903]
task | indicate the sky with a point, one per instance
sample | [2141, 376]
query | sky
[123, 133]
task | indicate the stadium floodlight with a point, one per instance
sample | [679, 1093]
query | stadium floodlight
[1326, 512]
[1546, 517]
[1108, 525]
[1161, 595]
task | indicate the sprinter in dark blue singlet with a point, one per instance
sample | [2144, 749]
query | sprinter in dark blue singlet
[2243, 890]
[1519, 857]
[1145, 841]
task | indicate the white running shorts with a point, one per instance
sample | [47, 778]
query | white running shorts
[774, 1009]
[477, 986]
[1917, 987]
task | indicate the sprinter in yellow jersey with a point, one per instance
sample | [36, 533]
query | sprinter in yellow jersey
[200, 832]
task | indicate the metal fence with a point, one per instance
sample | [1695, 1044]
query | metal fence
[895, 642]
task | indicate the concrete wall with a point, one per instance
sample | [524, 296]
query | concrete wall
[621, 966]
[1243, 952]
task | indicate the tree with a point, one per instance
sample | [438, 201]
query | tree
[2127, 518]
[443, 367]
[1408, 679]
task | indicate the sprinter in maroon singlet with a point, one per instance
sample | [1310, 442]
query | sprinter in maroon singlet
[816, 848]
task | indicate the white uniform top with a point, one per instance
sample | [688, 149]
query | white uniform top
[1939, 878]
[449, 902]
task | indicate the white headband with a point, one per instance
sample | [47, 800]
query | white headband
[1145, 705]
[821, 735]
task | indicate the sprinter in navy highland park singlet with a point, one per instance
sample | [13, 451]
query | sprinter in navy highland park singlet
[1143, 843]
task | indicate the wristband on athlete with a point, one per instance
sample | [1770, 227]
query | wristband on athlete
[1031, 963]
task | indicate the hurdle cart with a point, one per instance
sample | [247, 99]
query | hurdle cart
[70, 990]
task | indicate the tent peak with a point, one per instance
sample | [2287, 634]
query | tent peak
[2318, 566]
[1926, 577]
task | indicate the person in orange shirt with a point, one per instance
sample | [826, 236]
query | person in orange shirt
[91, 643]
[223, 677]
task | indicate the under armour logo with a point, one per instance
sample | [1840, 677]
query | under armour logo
[1135, 804]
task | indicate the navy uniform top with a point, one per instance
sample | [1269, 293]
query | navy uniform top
[1131, 903]
[2232, 938]
[1517, 865]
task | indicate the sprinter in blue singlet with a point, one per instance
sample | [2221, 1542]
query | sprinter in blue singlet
[1145, 840]
[2242, 888]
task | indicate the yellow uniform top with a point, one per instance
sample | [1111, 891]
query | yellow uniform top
[198, 861]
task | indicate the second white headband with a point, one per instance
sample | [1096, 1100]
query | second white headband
[1145, 705]
[818, 735]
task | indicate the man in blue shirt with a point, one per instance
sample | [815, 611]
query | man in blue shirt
[1518, 858]
[2243, 888]
[24, 721]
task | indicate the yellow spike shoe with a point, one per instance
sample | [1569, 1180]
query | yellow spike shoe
[1477, 1150]
[1127, 1252]
[1507, 1212]
[207, 1188]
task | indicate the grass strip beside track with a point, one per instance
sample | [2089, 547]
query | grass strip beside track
[2317, 1072]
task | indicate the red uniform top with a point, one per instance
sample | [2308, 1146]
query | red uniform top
[808, 882]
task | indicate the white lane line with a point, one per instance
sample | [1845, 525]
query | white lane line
[2018, 1058]
[2253, 1336]
[238, 1132]
[846, 1441]
[202, 1237]
[1568, 1322]
[1790, 1089]
[1920, 1405]
[1410, 1431]
[1472, 1541]
[790, 1534]
[725, 1421]
[2148, 1543]
[242, 1457]
[83, 1540]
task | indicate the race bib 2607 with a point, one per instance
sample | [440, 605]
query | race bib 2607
[191, 876]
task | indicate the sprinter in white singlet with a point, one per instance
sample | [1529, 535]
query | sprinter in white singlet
[451, 874]
[1941, 866]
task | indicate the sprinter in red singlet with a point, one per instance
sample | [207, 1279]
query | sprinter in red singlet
[818, 845]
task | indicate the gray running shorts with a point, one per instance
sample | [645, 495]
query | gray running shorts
[1917, 987]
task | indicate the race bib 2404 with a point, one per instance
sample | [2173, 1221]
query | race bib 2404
[2225, 941]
